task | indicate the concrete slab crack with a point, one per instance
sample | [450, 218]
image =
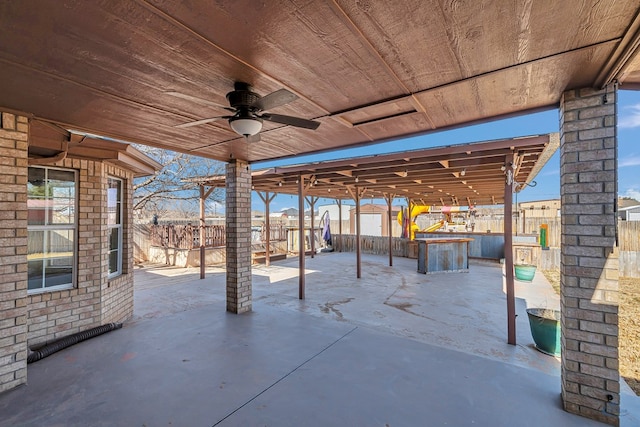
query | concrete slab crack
[286, 375]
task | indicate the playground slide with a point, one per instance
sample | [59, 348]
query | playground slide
[415, 211]
[435, 227]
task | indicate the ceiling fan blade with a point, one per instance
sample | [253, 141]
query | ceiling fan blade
[200, 122]
[274, 99]
[290, 120]
[199, 100]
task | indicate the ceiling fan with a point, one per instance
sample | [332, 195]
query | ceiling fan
[248, 110]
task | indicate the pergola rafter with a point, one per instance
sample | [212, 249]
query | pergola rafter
[466, 173]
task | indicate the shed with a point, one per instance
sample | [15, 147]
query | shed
[373, 220]
[630, 213]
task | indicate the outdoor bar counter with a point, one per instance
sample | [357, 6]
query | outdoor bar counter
[440, 254]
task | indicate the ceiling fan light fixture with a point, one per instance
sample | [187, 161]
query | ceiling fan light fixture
[245, 126]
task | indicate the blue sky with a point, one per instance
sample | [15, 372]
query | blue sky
[549, 177]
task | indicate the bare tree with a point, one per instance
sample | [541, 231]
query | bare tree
[168, 190]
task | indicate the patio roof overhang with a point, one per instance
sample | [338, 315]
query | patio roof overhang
[49, 144]
[367, 71]
[464, 174]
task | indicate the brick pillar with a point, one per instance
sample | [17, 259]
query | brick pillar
[589, 264]
[14, 131]
[238, 231]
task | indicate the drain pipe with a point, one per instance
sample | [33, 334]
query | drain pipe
[62, 343]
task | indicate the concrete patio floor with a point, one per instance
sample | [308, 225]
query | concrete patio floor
[394, 348]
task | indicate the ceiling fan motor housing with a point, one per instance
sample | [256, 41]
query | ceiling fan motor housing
[242, 98]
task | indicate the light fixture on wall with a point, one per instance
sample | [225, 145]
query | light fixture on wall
[357, 179]
[464, 172]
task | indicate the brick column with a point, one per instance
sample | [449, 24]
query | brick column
[589, 263]
[14, 131]
[238, 231]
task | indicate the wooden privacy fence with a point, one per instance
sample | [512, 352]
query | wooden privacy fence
[188, 236]
[629, 235]
[530, 226]
[628, 231]
[376, 245]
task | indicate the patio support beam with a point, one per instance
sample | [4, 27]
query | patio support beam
[267, 199]
[389, 199]
[238, 236]
[301, 245]
[312, 234]
[409, 208]
[508, 251]
[589, 254]
[358, 254]
[203, 249]
[357, 194]
[340, 223]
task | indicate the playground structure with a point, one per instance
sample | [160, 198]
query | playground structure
[455, 219]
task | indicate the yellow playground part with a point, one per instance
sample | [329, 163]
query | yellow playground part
[435, 226]
[415, 211]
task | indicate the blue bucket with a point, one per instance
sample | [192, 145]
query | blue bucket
[545, 330]
[525, 272]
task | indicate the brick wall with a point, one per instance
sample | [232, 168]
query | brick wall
[27, 320]
[13, 250]
[238, 234]
[95, 300]
[55, 314]
[589, 263]
[117, 293]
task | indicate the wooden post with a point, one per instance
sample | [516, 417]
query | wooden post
[312, 234]
[389, 198]
[358, 256]
[356, 194]
[267, 199]
[301, 246]
[202, 225]
[340, 223]
[204, 195]
[508, 251]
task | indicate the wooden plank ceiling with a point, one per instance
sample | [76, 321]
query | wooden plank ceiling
[464, 174]
[367, 71]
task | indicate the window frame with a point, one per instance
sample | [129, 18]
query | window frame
[119, 226]
[48, 228]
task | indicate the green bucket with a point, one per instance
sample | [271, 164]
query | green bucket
[525, 272]
[545, 329]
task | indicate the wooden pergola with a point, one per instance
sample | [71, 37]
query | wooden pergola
[484, 173]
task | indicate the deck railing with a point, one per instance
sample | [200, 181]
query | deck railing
[188, 236]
